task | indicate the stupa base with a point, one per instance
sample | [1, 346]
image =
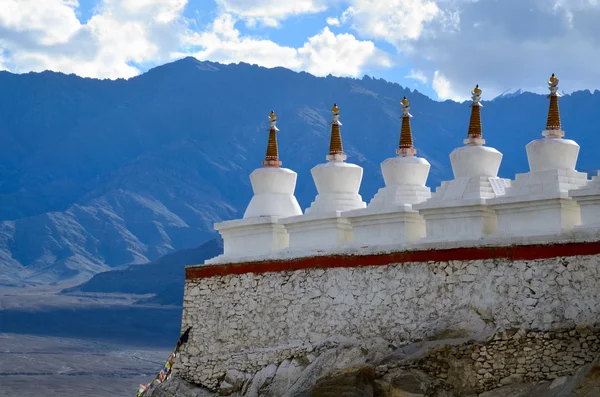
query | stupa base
[537, 216]
[397, 225]
[462, 220]
[317, 231]
[588, 198]
[391, 196]
[250, 237]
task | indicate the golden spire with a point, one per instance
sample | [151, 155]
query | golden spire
[336, 150]
[553, 123]
[272, 157]
[475, 130]
[406, 147]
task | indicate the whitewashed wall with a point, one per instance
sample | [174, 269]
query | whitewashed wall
[248, 321]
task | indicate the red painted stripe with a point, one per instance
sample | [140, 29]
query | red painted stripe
[515, 252]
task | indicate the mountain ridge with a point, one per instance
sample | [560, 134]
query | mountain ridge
[163, 277]
[101, 174]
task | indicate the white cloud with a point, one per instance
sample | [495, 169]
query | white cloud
[322, 54]
[497, 44]
[46, 34]
[162, 11]
[391, 20]
[223, 43]
[2, 61]
[517, 44]
[270, 12]
[443, 88]
[123, 33]
[340, 55]
[417, 75]
[47, 22]
[333, 21]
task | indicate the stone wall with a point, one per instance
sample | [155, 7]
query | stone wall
[508, 358]
[247, 321]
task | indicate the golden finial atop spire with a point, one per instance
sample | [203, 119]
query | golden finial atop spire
[272, 157]
[553, 127]
[406, 147]
[336, 151]
[474, 136]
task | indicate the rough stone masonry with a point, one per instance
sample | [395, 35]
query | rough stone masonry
[245, 322]
[510, 357]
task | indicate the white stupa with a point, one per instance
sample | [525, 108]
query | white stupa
[259, 232]
[337, 184]
[389, 217]
[538, 202]
[459, 209]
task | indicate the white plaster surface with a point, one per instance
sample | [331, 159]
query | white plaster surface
[535, 185]
[337, 185]
[398, 196]
[542, 216]
[250, 237]
[398, 225]
[588, 198]
[273, 193]
[538, 202]
[317, 231]
[459, 220]
[552, 153]
[259, 232]
[464, 189]
[458, 209]
[405, 179]
[405, 170]
[389, 218]
[246, 322]
[470, 161]
[322, 226]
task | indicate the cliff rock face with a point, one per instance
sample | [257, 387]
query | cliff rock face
[505, 364]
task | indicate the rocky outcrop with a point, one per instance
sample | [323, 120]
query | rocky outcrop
[512, 357]
[351, 382]
[505, 364]
[177, 387]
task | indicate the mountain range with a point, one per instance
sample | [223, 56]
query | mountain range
[102, 174]
[164, 277]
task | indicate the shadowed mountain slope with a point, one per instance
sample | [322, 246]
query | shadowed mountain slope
[99, 174]
[164, 277]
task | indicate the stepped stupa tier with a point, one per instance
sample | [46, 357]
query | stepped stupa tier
[538, 202]
[259, 232]
[337, 184]
[588, 198]
[389, 217]
[459, 209]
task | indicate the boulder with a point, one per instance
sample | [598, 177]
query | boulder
[177, 387]
[351, 382]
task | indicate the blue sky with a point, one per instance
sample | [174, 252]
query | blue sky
[440, 47]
